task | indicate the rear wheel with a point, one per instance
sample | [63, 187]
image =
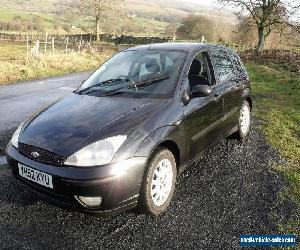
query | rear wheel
[244, 120]
[158, 184]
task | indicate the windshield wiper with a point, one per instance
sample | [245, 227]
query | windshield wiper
[148, 82]
[107, 82]
[144, 83]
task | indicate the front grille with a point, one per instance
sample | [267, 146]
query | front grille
[49, 194]
[44, 156]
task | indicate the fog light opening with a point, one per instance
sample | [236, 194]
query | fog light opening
[89, 202]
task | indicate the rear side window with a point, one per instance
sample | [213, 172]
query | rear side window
[222, 65]
[239, 67]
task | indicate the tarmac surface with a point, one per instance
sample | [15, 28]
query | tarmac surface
[17, 101]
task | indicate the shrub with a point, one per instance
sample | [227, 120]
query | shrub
[286, 59]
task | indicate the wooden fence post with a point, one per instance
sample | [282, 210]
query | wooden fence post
[37, 48]
[34, 52]
[67, 42]
[52, 43]
[79, 47]
[46, 40]
[27, 47]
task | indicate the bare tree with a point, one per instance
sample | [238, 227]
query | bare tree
[246, 31]
[267, 14]
[102, 11]
[195, 27]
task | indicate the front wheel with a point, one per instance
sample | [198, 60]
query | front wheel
[158, 184]
[244, 120]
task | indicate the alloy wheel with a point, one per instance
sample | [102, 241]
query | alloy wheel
[161, 184]
[245, 119]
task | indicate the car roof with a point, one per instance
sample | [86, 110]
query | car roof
[188, 47]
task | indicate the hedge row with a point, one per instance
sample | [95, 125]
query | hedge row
[287, 59]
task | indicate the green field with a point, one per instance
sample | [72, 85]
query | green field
[150, 27]
[277, 106]
[9, 51]
[50, 22]
[53, 23]
[14, 67]
[277, 95]
[17, 51]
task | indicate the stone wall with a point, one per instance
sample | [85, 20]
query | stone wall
[116, 39]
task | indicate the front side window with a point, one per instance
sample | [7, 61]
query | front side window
[141, 74]
[200, 71]
[222, 65]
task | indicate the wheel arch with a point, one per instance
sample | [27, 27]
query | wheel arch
[165, 137]
[246, 96]
[249, 100]
[173, 147]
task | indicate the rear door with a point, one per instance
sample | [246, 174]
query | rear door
[228, 85]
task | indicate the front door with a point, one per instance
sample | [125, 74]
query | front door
[203, 115]
[202, 123]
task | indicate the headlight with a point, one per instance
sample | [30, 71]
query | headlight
[98, 153]
[15, 138]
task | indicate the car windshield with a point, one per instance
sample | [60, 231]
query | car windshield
[140, 74]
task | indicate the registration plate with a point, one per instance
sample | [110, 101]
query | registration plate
[35, 176]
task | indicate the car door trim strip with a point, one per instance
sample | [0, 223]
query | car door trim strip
[215, 124]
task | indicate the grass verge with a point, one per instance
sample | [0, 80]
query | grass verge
[50, 65]
[277, 105]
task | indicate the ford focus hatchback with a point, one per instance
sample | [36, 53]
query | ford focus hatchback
[121, 139]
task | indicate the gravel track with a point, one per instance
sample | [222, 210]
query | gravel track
[231, 190]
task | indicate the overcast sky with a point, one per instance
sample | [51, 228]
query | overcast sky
[214, 3]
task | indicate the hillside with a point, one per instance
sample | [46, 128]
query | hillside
[177, 8]
[150, 17]
[151, 8]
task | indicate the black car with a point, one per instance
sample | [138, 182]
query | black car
[121, 139]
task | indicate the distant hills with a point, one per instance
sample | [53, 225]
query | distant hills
[165, 10]
[151, 16]
[177, 9]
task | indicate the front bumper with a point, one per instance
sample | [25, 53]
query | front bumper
[118, 184]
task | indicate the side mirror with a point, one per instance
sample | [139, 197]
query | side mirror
[186, 97]
[201, 91]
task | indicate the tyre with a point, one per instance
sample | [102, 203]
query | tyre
[244, 120]
[158, 183]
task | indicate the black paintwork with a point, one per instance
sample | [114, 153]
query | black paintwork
[187, 126]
